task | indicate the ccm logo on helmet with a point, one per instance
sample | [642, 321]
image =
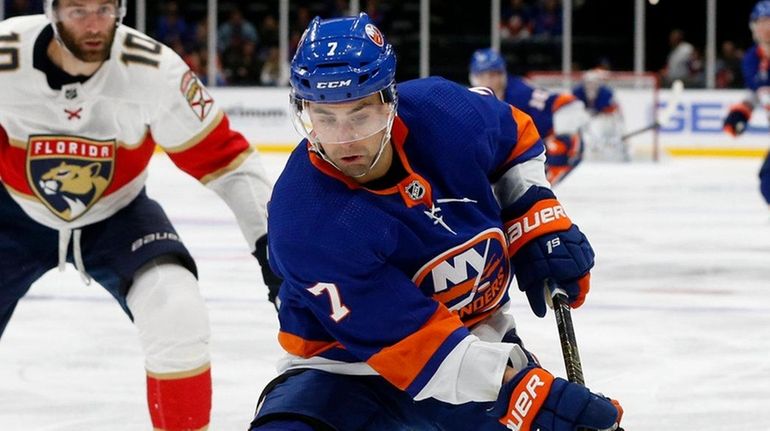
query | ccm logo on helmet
[334, 84]
[521, 406]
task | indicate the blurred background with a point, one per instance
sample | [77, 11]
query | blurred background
[530, 34]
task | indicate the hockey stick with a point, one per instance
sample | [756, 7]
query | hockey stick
[569, 349]
[676, 93]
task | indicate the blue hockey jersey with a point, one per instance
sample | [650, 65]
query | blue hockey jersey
[538, 103]
[603, 102]
[755, 68]
[390, 281]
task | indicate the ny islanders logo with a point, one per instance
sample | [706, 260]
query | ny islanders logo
[69, 173]
[471, 278]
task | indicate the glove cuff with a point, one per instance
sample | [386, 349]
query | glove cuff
[530, 390]
[545, 216]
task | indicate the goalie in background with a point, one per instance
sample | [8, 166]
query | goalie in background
[756, 63]
[558, 117]
[603, 134]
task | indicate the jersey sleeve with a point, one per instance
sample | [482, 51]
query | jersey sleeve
[511, 136]
[364, 303]
[190, 126]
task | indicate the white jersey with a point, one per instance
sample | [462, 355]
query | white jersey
[75, 155]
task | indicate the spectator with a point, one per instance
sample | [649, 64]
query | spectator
[241, 64]
[171, 27]
[22, 7]
[678, 64]
[548, 19]
[271, 70]
[516, 20]
[268, 32]
[729, 73]
[236, 30]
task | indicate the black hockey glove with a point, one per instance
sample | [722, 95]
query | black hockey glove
[272, 281]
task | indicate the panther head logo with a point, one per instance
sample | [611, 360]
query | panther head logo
[77, 185]
[69, 174]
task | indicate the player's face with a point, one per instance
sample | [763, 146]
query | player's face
[87, 27]
[762, 30]
[494, 79]
[350, 133]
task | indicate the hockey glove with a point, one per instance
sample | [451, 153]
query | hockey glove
[737, 119]
[536, 400]
[563, 154]
[544, 244]
[272, 281]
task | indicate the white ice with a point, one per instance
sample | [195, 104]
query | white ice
[677, 325]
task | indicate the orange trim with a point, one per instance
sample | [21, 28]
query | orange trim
[561, 100]
[584, 284]
[544, 217]
[741, 107]
[301, 347]
[398, 138]
[527, 136]
[527, 399]
[402, 362]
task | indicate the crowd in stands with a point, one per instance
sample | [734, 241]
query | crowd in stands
[247, 43]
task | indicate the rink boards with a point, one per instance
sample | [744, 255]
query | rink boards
[263, 116]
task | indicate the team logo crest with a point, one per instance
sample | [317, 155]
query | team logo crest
[69, 173]
[375, 35]
[196, 94]
[415, 190]
[471, 278]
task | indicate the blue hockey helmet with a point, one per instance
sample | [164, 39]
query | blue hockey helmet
[486, 59]
[761, 10]
[342, 59]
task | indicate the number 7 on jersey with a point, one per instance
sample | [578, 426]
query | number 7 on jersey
[339, 310]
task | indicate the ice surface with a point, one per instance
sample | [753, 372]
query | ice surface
[677, 325]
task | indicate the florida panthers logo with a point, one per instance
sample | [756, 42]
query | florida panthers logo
[69, 174]
[471, 278]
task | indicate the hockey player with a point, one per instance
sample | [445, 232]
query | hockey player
[756, 64]
[557, 116]
[603, 134]
[85, 100]
[397, 254]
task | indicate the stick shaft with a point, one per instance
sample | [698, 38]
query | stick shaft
[569, 347]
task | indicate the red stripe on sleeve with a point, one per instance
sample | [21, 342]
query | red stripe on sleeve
[215, 152]
[12, 165]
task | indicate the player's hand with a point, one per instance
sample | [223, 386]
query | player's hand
[737, 119]
[272, 281]
[544, 244]
[536, 400]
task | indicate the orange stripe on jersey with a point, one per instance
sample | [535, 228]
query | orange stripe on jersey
[215, 152]
[544, 217]
[561, 100]
[528, 135]
[401, 363]
[301, 347]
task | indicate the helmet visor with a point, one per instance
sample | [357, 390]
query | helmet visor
[338, 123]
